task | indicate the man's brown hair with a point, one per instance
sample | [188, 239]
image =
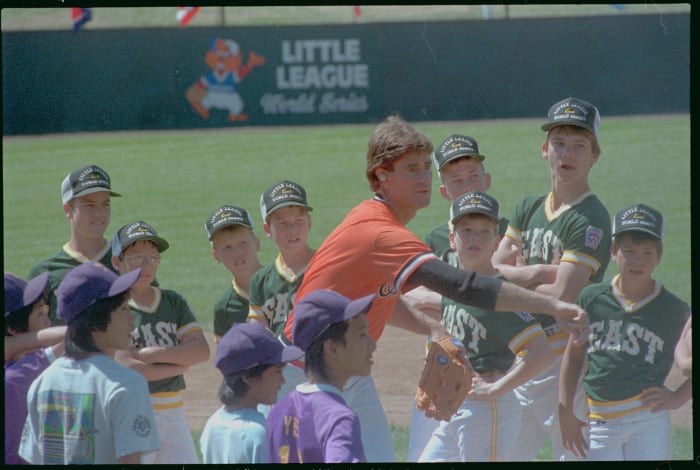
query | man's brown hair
[390, 140]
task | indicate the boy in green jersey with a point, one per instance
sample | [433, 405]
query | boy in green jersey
[287, 222]
[635, 326]
[167, 340]
[460, 167]
[563, 236]
[233, 244]
[86, 194]
[486, 425]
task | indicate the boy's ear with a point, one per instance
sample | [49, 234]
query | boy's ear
[329, 347]
[266, 230]
[116, 262]
[67, 211]
[12, 331]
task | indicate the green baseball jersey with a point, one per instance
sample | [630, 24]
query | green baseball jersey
[58, 266]
[163, 323]
[492, 338]
[231, 308]
[631, 345]
[272, 292]
[581, 234]
[438, 239]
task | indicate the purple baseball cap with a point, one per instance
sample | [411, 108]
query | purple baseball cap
[20, 293]
[320, 309]
[246, 345]
[88, 283]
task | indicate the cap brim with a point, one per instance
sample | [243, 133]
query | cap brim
[35, 287]
[124, 283]
[549, 125]
[358, 306]
[287, 204]
[487, 214]
[291, 353]
[227, 224]
[161, 242]
[92, 191]
[462, 155]
[638, 229]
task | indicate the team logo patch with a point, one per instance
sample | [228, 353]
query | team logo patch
[457, 343]
[525, 316]
[142, 426]
[593, 237]
[388, 289]
[442, 360]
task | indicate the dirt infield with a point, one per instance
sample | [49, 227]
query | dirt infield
[397, 366]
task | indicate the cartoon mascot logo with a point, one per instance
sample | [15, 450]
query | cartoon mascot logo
[219, 88]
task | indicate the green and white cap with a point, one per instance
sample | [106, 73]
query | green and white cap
[474, 202]
[227, 215]
[573, 112]
[282, 194]
[86, 180]
[131, 233]
[641, 218]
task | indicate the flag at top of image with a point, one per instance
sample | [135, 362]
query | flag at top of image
[80, 16]
[185, 14]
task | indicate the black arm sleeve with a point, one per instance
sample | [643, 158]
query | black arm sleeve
[466, 287]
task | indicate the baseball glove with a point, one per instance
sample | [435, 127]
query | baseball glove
[445, 380]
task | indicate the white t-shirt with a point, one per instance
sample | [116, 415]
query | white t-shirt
[91, 411]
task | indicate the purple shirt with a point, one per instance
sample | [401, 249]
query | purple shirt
[314, 424]
[19, 375]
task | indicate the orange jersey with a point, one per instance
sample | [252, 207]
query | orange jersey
[368, 252]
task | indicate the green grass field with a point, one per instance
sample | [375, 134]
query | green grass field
[174, 179]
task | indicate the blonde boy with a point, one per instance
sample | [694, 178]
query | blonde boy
[286, 221]
[233, 244]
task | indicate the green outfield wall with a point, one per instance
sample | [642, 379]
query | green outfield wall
[104, 80]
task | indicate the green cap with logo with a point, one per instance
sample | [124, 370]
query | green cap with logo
[641, 218]
[573, 112]
[474, 202]
[131, 233]
[456, 146]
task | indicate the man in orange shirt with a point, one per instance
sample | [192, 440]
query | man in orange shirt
[372, 252]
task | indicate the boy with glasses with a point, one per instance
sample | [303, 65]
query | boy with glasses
[167, 340]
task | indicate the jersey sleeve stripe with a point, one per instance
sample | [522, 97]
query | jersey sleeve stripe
[516, 344]
[193, 326]
[581, 258]
[514, 234]
[411, 266]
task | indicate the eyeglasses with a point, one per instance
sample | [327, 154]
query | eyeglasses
[140, 260]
